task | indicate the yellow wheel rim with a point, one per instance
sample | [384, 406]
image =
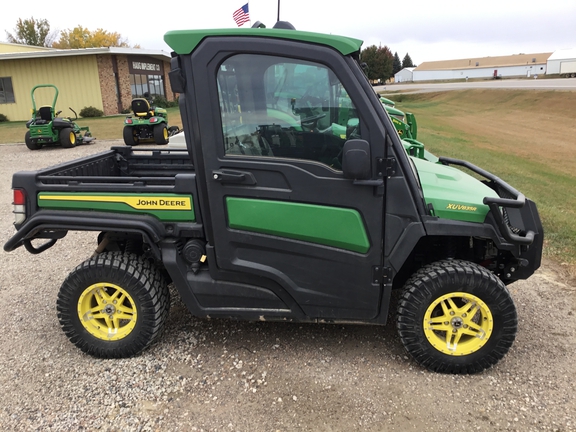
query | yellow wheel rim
[72, 138]
[165, 133]
[458, 324]
[107, 311]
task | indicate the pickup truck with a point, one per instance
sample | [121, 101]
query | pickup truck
[293, 200]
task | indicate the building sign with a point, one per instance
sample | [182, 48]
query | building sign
[145, 66]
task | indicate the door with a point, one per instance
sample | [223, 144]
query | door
[279, 206]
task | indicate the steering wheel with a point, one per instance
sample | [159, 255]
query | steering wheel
[310, 122]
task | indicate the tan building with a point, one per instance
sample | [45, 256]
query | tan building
[519, 65]
[104, 78]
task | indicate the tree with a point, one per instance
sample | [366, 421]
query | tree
[378, 61]
[407, 62]
[397, 65]
[80, 37]
[32, 32]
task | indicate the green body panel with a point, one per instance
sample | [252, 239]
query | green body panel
[137, 121]
[166, 207]
[394, 111]
[453, 193]
[331, 226]
[411, 120]
[387, 101]
[185, 41]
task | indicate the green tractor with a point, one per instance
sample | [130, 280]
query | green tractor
[406, 126]
[46, 128]
[147, 124]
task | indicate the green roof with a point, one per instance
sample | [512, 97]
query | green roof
[185, 41]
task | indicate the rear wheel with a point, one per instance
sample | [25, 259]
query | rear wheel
[161, 134]
[31, 144]
[113, 305]
[129, 137]
[456, 317]
[67, 137]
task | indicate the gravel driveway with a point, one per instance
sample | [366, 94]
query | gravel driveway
[239, 376]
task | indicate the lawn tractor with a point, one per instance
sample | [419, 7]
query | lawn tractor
[147, 124]
[46, 128]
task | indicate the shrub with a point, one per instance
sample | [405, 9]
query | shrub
[3, 118]
[162, 102]
[91, 112]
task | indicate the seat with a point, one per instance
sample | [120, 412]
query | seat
[45, 113]
[141, 108]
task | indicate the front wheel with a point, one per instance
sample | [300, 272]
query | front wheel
[67, 138]
[113, 305]
[456, 317]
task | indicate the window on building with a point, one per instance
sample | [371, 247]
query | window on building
[274, 107]
[152, 84]
[6, 91]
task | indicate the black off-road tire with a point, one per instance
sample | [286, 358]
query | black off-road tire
[113, 305]
[67, 137]
[160, 134]
[129, 138]
[467, 300]
[31, 144]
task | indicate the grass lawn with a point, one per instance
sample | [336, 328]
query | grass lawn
[527, 138]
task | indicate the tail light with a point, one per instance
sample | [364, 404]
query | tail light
[153, 119]
[19, 206]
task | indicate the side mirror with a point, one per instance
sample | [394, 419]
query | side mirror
[356, 160]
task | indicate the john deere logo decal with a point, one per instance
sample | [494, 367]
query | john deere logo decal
[162, 203]
[461, 207]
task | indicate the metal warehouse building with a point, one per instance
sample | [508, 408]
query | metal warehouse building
[104, 78]
[563, 62]
[404, 75]
[520, 65]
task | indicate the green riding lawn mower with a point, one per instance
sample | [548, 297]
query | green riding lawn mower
[147, 124]
[46, 128]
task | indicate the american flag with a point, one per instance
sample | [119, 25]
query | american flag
[242, 15]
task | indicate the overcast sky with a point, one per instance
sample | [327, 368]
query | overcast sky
[427, 30]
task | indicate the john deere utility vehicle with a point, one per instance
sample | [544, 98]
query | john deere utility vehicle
[47, 128]
[294, 200]
[147, 124]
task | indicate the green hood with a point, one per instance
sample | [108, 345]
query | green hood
[453, 193]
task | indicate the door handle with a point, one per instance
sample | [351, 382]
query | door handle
[377, 182]
[231, 176]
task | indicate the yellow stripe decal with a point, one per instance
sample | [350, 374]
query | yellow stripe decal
[137, 202]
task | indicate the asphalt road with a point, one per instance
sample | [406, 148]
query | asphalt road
[567, 84]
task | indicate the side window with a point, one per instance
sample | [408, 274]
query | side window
[6, 91]
[275, 107]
